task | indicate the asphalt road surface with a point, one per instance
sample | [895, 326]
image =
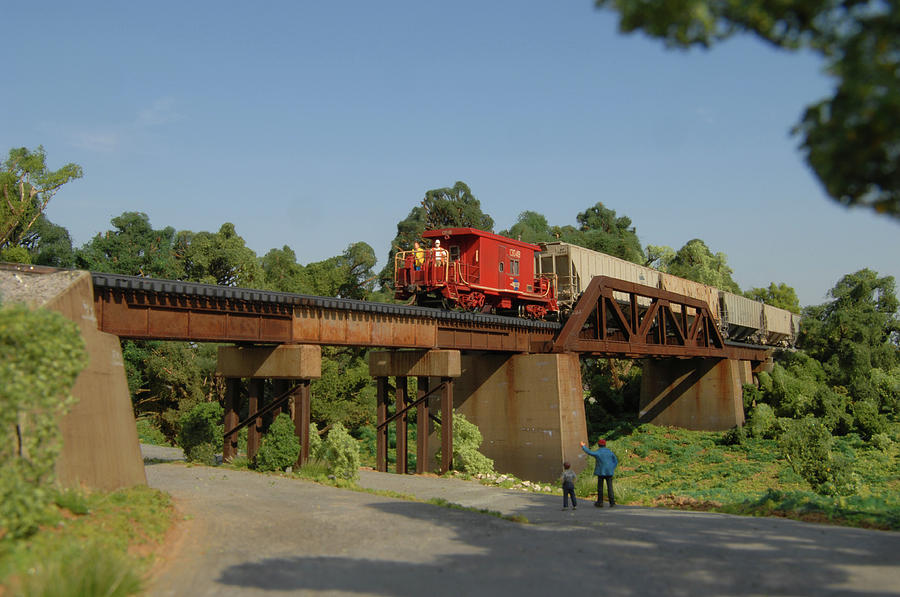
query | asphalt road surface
[252, 534]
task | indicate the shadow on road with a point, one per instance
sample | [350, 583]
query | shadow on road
[623, 551]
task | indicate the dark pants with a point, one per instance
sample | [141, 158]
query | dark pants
[609, 490]
[568, 491]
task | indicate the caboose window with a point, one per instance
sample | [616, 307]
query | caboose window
[454, 253]
[501, 266]
[514, 267]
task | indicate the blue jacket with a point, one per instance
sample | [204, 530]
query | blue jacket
[606, 461]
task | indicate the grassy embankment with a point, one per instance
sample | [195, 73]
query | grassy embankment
[91, 544]
[676, 468]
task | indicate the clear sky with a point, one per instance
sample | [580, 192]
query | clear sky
[320, 124]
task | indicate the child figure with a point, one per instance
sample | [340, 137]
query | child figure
[568, 486]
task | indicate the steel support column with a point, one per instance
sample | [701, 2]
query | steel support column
[422, 424]
[402, 424]
[301, 419]
[232, 398]
[447, 425]
[381, 437]
[254, 430]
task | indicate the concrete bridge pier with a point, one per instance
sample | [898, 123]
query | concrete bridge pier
[529, 409]
[699, 393]
[291, 367]
[424, 365]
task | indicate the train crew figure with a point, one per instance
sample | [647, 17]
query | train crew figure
[440, 255]
[418, 255]
[604, 469]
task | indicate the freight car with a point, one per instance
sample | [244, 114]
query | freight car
[740, 319]
[475, 270]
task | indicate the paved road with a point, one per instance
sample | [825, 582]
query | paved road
[252, 534]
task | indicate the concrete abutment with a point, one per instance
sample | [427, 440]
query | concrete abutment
[700, 394]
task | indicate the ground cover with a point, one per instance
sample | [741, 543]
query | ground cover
[101, 543]
[660, 466]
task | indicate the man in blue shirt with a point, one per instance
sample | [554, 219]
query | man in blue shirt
[604, 469]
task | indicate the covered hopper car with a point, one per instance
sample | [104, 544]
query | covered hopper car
[740, 319]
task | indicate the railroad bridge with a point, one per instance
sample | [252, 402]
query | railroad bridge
[519, 380]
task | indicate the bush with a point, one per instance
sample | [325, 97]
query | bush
[734, 436]
[316, 445]
[148, 433]
[204, 453]
[763, 423]
[341, 453]
[867, 420]
[279, 447]
[806, 444]
[201, 425]
[41, 354]
[466, 441]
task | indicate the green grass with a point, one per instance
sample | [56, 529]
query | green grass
[660, 466]
[94, 544]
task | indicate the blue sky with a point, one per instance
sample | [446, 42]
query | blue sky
[320, 124]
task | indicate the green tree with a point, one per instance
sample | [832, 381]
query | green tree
[851, 138]
[601, 230]
[855, 332]
[454, 206]
[694, 261]
[27, 186]
[132, 248]
[281, 271]
[345, 393]
[279, 447]
[220, 258]
[41, 355]
[781, 296]
[49, 244]
[348, 275]
[530, 227]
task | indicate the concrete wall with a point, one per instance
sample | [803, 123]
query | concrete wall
[529, 408]
[100, 442]
[701, 394]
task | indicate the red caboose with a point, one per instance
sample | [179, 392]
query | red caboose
[476, 271]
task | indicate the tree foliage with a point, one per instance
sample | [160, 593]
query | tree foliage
[220, 258]
[454, 207]
[530, 227]
[345, 393]
[856, 332]
[341, 453]
[694, 261]
[780, 295]
[132, 248]
[41, 355]
[850, 139]
[26, 187]
[601, 230]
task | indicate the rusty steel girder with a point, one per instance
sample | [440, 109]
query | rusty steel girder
[615, 318]
[144, 308]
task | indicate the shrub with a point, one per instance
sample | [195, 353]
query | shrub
[882, 441]
[341, 453]
[734, 436]
[41, 354]
[806, 444]
[279, 447]
[79, 571]
[201, 425]
[466, 441]
[204, 453]
[763, 423]
[148, 433]
[867, 420]
[316, 445]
